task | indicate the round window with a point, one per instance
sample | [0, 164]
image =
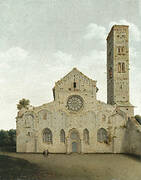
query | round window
[75, 103]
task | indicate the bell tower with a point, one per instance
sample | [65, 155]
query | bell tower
[118, 68]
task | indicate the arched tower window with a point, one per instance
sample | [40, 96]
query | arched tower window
[119, 67]
[123, 67]
[86, 136]
[62, 136]
[102, 135]
[47, 135]
[118, 49]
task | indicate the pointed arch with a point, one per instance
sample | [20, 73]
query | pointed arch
[86, 136]
[62, 136]
[102, 135]
[47, 135]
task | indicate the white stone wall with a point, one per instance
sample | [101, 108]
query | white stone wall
[59, 119]
[56, 116]
[123, 136]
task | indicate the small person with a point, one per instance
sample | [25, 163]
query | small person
[45, 152]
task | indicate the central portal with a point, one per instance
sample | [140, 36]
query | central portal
[74, 145]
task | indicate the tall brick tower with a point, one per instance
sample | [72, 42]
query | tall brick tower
[118, 68]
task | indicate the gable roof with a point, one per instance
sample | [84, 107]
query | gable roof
[74, 71]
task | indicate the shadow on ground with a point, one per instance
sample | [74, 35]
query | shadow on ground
[75, 166]
[15, 168]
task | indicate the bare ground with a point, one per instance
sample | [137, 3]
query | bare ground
[84, 167]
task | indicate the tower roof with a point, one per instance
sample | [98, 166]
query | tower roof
[116, 27]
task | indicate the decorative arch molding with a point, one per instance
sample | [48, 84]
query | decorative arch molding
[73, 141]
[102, 136]
[62, 136]
[86, 136]
[43, 114]
[47, 136]
[29, 119]
[73, 130]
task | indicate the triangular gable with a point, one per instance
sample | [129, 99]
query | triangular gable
[72, 73]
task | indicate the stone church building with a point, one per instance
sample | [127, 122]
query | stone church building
[76, 121]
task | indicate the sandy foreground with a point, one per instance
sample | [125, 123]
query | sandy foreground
[85, 166]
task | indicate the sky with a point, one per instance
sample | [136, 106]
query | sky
[42, 40]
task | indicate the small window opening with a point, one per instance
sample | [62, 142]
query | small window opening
[123, 67]
[110, 73]
[28, 133]
[74, 84]
[118, 49]
[119, 67]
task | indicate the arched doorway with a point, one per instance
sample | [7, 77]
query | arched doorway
[74, 145]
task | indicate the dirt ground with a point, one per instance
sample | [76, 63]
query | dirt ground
[85, 167]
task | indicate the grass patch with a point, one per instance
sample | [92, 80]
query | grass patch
[15, 168]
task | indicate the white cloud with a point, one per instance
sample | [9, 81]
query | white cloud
[4, 65]
[139, 7]
[135, 33]
[61, 58]
[13, 54]
[12, 59]
[94, 31]
[94, 66]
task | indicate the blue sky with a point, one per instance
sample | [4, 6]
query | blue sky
[42, 40]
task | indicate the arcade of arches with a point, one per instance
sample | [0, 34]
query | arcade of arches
[74, 138]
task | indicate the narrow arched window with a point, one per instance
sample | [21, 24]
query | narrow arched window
[86, 136]
[74, 84]
[102, 135]
[62, 136]
[123, 67]
[47, 135]
[119, 67]
[118, 49]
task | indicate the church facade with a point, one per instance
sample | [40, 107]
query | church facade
[76, 121]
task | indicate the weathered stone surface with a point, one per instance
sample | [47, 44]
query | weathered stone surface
[77, 113]
[118, 68]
